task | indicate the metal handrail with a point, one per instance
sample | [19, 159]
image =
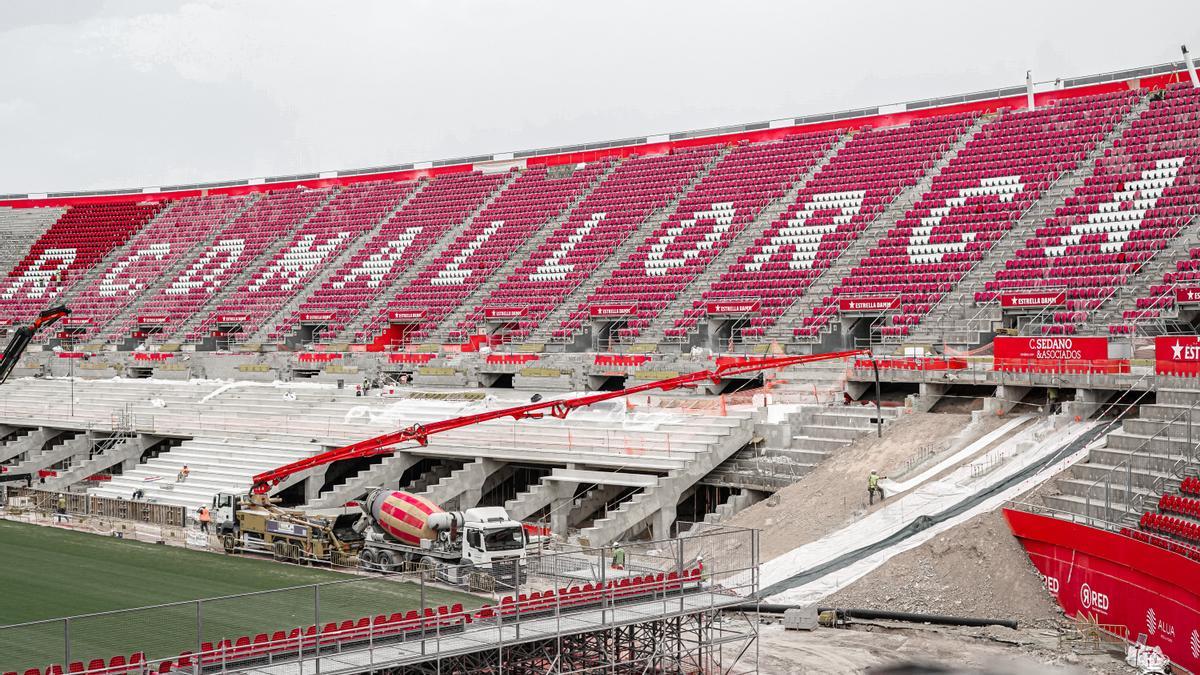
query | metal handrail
[1130, 501]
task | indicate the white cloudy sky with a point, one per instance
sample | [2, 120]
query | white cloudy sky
[121, 93]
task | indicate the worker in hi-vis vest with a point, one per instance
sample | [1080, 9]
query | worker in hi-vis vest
[873, 486]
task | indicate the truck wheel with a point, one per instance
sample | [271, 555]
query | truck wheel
[395, 561]
[228, 542]
[429, 568]
[297, 554]
[279, 551]
[366, 559]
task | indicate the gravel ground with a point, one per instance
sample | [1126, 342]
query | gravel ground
[882, 645]
[835, 493]
[976, 569]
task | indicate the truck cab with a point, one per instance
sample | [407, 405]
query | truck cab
[489, 535]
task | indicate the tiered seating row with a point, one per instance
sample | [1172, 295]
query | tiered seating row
[378, 629]
[596, 227]
[170, 237]
[834, 207]
[347, 216]
[236, 246]
[972, 203]
[704, 223]
[72, 245]
[528, 203]
[1138, 199]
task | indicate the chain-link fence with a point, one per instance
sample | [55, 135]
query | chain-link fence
[397, 617]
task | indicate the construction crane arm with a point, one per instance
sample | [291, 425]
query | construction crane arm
[24, 335]
[420, 433]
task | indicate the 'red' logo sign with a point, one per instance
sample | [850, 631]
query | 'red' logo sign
[316, 316]
[1189, 295]
[874, 304]
[151, 319]
[738, 307]
[233, 318]
[600, 311]
[1033, 300]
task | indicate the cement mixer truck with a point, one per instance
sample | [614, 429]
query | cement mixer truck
[399, 527]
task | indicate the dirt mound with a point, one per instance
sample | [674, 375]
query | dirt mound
[835, 493]
[976, 569]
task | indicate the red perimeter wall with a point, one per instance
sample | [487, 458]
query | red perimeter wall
[1117, 581]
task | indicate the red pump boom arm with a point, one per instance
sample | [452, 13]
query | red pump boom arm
[385, 444]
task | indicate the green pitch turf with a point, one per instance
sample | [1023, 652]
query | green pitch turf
[47, 573]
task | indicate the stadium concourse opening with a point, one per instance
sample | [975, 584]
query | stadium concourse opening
[543, 411]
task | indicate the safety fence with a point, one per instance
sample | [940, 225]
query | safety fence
[389, 619]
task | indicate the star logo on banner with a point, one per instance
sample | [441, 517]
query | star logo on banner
[1177, 351]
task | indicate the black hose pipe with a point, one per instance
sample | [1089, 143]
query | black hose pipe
[870, 614]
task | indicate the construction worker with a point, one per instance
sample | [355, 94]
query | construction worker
[60, 510]
[183, 474]
[873, 486]
[1052, 400]
[618, 559]
[205, 519]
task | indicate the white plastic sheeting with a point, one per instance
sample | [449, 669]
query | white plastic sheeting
[998, 464]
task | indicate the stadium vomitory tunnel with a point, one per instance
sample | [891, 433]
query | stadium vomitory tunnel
[660, 368]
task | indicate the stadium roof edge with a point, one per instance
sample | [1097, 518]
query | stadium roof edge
[987, 100]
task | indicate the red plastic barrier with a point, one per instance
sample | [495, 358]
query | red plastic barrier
[921, 363]
[621, 359]
[511, 359]
[319, 357]
[151, 356]
[1096, 366]
[413, 357]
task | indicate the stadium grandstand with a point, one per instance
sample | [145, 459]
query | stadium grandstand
[679, 368]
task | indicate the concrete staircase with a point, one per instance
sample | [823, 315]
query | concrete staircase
[738, 501]
[248, 268]
[959, 321]
[70, 444]
[817, 433]
[823, 286]
[328, 268]
[168, 275]
[658, 503]
[621, 253]
[480, 294]
[737, 246]
[112, 452]
[1143, 458]
[386, 295]
[462, 488]
[385, 474]
[28, 444]
[430, 477]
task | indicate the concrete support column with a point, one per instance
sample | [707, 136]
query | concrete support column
[1007, 396]
[930, 394]
[660, 525]
[314, 482]
[1086, 403]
